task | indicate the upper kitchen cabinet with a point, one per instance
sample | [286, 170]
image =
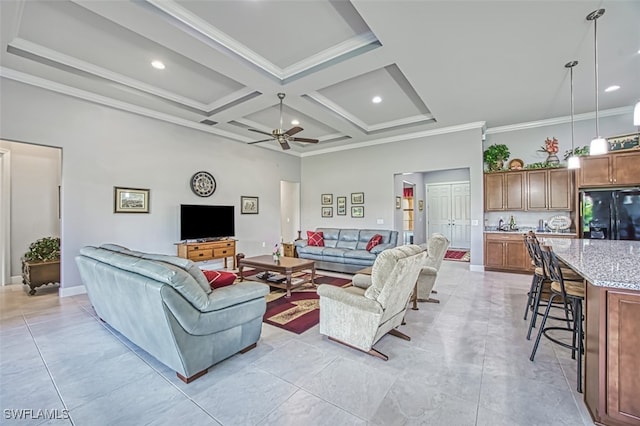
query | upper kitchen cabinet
[614, 169]
[504, 191]
[533, 190]
[549, 189]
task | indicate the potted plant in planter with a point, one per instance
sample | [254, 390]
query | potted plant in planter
[495, 156]
[41, 263]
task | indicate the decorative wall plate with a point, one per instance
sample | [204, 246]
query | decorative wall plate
[559, 222]
[203, 184]
[516, 164]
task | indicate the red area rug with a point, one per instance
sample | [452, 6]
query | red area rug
[302, 310]
[458, 255]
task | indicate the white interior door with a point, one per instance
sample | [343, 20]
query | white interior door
[460, 221]
[439, 209]
[448, 212]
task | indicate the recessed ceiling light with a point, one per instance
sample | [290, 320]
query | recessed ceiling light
[376, 99]
[612, 88]
[295, 122]
[157, 65]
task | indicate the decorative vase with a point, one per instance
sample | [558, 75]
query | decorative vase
[552, 159]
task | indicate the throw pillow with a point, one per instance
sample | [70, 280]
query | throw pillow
[374, 241]
[315, 238]
[219, 279]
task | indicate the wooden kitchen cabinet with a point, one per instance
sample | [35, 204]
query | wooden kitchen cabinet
[504, 191]
[612, 384]
[531, 190]
[610, 170]
[507, 252]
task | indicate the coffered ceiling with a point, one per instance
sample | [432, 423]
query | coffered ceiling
[436, 65]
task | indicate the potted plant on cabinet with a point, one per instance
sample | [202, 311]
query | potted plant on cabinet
[41, 263]
[495, 156]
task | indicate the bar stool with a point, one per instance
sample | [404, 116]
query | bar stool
[540, 291]
[570, 292]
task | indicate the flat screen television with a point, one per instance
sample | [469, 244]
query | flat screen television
[199, 222]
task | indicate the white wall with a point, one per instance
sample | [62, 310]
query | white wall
[35, 176]
[104, 147]
[524, 143]
[371, 170]
[290, 210]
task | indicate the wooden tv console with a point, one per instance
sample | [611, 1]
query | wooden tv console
[208, 250]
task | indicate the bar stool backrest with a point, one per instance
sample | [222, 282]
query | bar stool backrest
[533, 247]
[552, 266]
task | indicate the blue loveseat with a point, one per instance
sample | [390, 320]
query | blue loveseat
[165, 305]
[345, 249]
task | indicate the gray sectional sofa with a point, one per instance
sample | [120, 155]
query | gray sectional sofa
[345, 249]
[165, 305]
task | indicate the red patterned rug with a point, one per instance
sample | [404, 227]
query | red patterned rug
[302, 310]
[458, 255]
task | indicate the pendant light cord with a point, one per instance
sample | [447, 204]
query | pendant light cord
[595, 51]
[572, 148]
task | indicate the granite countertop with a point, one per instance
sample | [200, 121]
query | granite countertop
[604, 263]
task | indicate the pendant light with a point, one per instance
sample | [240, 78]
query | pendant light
[598, 145]
[573, 162]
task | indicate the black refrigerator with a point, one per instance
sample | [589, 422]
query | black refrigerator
[610, 214]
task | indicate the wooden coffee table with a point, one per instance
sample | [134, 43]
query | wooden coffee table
[285, 266]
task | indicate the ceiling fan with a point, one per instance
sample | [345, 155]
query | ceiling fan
[282, 137]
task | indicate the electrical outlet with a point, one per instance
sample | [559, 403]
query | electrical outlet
[264, 244]
[474, 222]
[380, 221]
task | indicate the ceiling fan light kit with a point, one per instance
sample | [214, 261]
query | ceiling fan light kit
[279, 135]
[598, 145]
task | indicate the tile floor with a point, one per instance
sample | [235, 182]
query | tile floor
[467, 364]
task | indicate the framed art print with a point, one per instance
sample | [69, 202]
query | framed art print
[248, 205]
[326, 199]
[357, 211]
[357, 198]
[130, 200]
[327, 212]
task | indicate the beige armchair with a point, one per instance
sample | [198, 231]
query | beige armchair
[435, 247]
[359, 317]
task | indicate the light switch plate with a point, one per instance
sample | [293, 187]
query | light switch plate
[380, 221]
[474, 222]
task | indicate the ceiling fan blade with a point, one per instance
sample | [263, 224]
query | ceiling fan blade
[260, 131]
[264, 140]
[292, 131]
[304, 140]
[284, 145]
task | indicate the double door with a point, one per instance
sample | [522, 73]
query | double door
[448, 206]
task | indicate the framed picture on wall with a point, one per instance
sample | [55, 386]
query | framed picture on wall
[326, 199]
[357, 198]
[248, 205]
[327, 212]
[357, 211]
[130, 200]
[342, 206]
[398, 202]
[420, 205]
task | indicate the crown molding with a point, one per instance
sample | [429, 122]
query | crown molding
[103, 100]
[559, 120]
[399, 138]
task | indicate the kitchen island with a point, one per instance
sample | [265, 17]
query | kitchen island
[612, 325]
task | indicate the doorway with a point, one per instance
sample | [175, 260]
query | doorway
[289, 210]
[408, 212]
[448, 212]
[5, 211]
